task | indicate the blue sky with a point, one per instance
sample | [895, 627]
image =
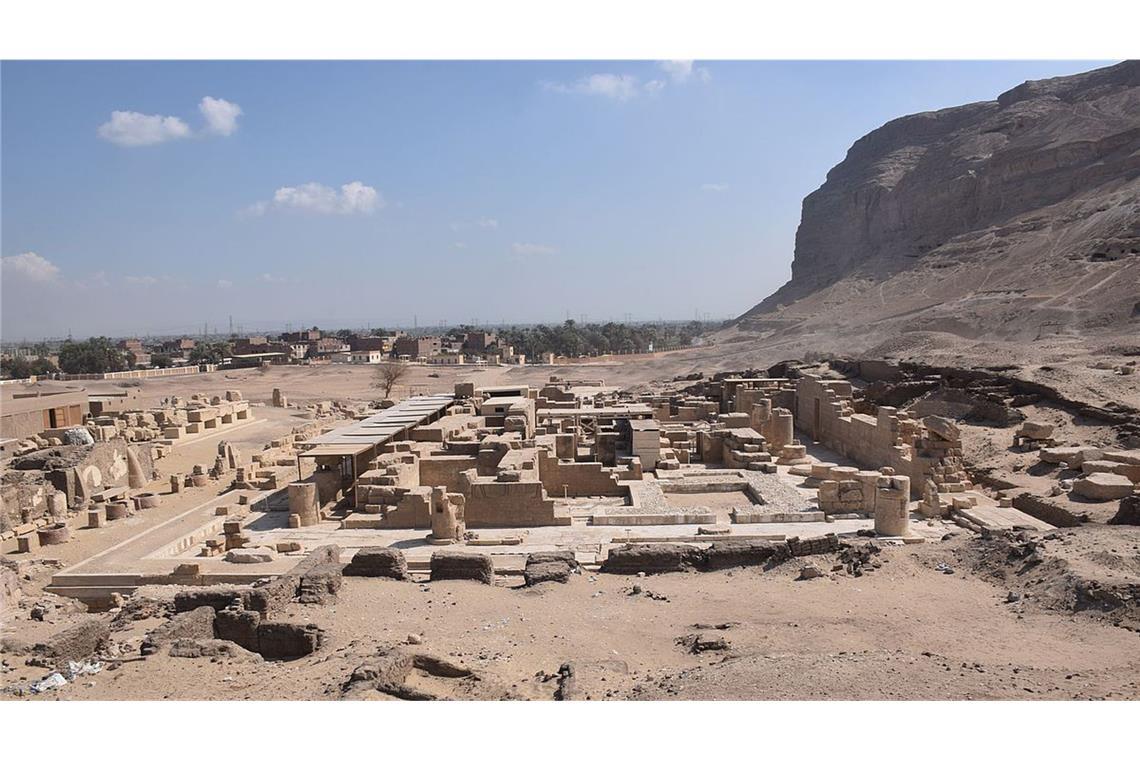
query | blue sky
[348, 193]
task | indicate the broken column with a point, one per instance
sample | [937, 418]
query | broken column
[892, 499]
[136, 478]
[447, 519]
[303, 507]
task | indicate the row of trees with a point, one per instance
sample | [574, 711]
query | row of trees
[572, 339]
[18, 367]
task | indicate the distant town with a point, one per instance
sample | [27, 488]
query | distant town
[461, 345]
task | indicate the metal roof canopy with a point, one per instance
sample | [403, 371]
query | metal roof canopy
[374, 431]
[597, 411]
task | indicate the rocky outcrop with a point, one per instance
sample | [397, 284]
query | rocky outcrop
[1015, 215]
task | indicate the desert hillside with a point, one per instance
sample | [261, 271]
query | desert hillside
[1014, 220]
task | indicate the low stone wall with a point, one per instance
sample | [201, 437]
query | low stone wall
[1049, 510]
[630, 559]
[312, 580]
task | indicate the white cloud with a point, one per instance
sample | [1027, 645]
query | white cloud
[145, 280]
[274, 279]
[488, 224]
[313, 197]
[622, 87]
[714, 187]
[459, 244]
[533, 249]
[225, 284]
[221, 115]
[29, 266]
[682, 71]
[131, 129]
[619, 87]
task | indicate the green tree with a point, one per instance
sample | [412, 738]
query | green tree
[16, 367]
[43, 366]
[91, 356]
[209, 353]
[161, 361]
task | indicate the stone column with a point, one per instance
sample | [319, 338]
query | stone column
[303, 504]
[780, 432]
[443, 523]
[892, 499]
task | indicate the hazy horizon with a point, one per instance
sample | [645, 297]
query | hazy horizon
[151, 198]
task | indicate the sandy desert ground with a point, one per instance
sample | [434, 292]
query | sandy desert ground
[1013, 617]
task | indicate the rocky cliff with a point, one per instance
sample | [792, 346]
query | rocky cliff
[1011, 218]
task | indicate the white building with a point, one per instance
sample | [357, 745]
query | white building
[359, 357]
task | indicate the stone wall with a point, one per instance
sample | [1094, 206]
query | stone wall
[576, 478]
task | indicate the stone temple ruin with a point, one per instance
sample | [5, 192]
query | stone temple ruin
[533, 483]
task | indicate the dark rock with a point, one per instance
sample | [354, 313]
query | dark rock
[210, 647]
[802, 547]
[453, 565]
[195, 624]
[288, 640]
[77, 643]
[546, 572]
[630, 559]
[320, 585]
[378, 562]
[744, 553]
[239, 626]
[1128, 512]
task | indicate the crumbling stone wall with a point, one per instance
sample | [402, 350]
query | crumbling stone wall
[491, 503]
[825, 410]
[576, 478]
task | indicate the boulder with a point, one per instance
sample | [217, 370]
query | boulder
[1129, 512]
[1073, 456]
[195, 624]
[453, 565]
[378, 562]
[1036, 431]
[545, 572]
[941, 427]
[75, 644]
[1103, 486]
[320, 584]
[251, 556]
[544, 567]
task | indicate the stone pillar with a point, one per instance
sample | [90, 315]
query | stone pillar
[136, 478]
[176, 482]
[780, 430]
[303, 503]
[442, 517]
[761, 414]
[892, 499]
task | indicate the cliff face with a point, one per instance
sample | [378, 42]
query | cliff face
[1007, 216]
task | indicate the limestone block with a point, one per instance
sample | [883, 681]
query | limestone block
[1103, 486]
